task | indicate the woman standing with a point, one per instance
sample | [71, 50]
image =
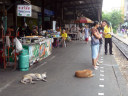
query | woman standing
[95, 36]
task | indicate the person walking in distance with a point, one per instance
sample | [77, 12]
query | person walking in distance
[108, 38]
[86, 34]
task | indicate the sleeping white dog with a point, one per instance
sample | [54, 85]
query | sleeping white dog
[30, 78]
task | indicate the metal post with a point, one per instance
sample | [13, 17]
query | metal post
[56, 11]
[3, 36]
[15, 16]
[61, 19]
[22, 18]
[42, 9]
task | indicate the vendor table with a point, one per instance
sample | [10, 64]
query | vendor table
[56, 41]
[73, 35]
[38, 51]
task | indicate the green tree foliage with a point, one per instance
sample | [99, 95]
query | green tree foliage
[115, 17]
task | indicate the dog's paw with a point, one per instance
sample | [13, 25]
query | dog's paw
[44, 80]
[33, 82]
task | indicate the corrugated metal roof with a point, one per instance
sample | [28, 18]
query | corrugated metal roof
[71, 8]
[89, 8]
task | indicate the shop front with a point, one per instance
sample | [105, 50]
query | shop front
[38, 48]
[35, 47]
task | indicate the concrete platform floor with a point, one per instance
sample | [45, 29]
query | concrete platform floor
[60, 68]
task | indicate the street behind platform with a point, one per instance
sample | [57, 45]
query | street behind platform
[60, 68]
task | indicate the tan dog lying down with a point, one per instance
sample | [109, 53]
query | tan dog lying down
[28, 78]
[84, 73]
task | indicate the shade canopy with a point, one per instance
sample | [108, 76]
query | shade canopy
[83, 20]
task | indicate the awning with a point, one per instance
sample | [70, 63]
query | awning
[83, 20]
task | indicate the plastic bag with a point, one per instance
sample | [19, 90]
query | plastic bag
[83, 37]
[8, 41]
[89, 38]
[19, 46]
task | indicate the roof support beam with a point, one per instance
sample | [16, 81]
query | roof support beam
[84, 5]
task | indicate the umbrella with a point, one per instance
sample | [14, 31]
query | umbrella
[83, 20]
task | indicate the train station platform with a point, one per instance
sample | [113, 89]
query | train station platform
[60, 68]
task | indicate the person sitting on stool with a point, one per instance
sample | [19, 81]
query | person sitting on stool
[63, 39]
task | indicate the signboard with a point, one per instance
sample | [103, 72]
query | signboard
[46, 18]
[24, 10]
[48, 12]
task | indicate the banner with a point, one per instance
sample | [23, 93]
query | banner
[46, 18]
[54, 25]
[24, 10]
[48, 12]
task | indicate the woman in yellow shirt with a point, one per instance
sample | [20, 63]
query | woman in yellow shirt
[64, 35]
[63, 39]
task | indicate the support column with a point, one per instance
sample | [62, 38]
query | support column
[55, 10]
[22, 18]
[75, 14]
[15, 15]
[61, 13]
[4, 19]
[99, 15]
[42, 11]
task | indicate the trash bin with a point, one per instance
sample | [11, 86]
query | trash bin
[24, 60]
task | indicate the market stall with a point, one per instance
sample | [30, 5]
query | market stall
[56, 37]
[38, 47]
[73, 35]
[56, 41]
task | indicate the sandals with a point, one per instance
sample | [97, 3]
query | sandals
[99, 62]
[96, 67]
